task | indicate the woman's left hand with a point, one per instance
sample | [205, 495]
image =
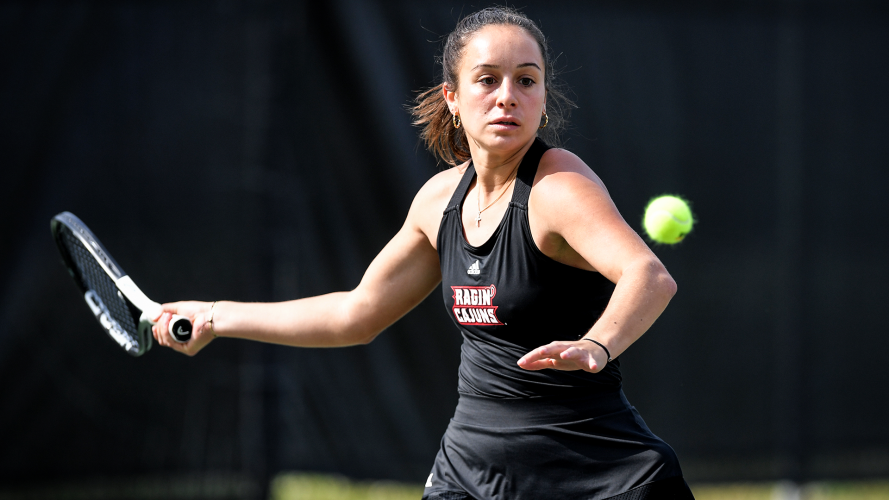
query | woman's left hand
[567, 356]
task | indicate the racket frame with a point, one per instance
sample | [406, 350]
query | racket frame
[149, 309]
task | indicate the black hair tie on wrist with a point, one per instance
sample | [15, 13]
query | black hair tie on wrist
[602, 346]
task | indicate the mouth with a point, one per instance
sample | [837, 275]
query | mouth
[505, 122]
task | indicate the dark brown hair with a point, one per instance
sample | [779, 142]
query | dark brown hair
[431, 111]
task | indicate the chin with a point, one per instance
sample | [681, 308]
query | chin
[509, 140]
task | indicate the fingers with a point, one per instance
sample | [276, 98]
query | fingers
[543, 357]
[580, 357]
[560, 356]
[161, 327]
[161, 331]
[545, 351]
[540, 364]
[165, 308]
[196, 312]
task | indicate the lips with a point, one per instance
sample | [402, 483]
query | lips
[506, 121]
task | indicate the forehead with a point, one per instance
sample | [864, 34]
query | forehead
[501, 45]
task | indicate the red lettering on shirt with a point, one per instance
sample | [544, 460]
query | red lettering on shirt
[474, 305]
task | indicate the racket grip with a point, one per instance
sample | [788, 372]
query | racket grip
[180, 328]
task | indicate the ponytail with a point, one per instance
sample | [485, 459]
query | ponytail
[445, 141]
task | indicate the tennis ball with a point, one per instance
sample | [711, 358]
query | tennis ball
[667, 219]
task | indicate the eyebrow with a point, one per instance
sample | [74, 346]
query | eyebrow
[497, 66]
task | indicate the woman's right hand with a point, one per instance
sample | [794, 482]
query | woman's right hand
[198, 313]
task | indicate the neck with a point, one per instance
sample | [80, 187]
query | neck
[494, 169]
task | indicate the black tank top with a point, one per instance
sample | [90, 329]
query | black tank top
[507, 298]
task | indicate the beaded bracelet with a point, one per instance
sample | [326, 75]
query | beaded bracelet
[602, 346]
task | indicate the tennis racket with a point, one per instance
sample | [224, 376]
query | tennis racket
[122, 309]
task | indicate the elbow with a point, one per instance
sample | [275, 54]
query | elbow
[659, 280]
[356, 327]
[666, 283]
[355, 333]
[361, 320]
[670, 286]
[364, 338]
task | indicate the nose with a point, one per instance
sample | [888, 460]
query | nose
[506, 95]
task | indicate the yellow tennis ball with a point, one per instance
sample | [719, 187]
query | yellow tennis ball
[668, 219]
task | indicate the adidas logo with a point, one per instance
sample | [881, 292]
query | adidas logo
[474, 269]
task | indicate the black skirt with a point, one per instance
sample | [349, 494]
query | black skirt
[592, 448]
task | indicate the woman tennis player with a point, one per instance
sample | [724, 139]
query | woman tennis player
[539, 271]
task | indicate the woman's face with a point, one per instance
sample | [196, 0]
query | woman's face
[500, 95]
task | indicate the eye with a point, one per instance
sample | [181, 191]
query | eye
[526, 82]
[488, 80]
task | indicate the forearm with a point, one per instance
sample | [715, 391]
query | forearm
[640, 296]
[322, 321]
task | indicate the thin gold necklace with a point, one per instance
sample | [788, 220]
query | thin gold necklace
[478, 203]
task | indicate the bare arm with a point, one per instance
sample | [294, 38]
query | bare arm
[574, 221]
[399, 278]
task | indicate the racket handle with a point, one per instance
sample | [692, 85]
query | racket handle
[180, 328]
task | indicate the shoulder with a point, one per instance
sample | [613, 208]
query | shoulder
[441, 186]
[562, 174]
[432, 199]
[573, 219]
[437, 191]
[567, 198]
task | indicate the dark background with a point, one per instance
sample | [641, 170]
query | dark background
[261, 151]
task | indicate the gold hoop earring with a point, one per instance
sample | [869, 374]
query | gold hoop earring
[456, 121]
[545, 123]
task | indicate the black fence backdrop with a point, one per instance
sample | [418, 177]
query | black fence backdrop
[261, 151]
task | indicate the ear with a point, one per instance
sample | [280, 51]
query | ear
[450, 97]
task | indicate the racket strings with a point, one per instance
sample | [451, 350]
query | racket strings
[96, 279]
